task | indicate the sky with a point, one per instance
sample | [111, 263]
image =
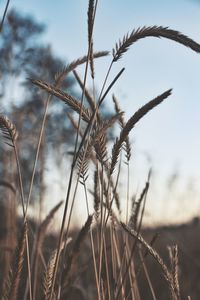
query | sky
[168, 139]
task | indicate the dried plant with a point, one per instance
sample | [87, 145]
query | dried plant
[15, 272]
[113, 254]
[66, 98]
[8, 130]
[155, 31]
[167, 274]
[63, 73]
[131, 123]
[71, 259]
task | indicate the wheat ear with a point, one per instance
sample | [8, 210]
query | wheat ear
[48, 276]
[173, 254]
[122, 124]
[8, 130]
[76, 249]
[89, 98]
[91, 10]
[17, 269]
[39, 242]
[131, 123]
[167, 274]
[155, 31]
[66, 98]
[59, 77]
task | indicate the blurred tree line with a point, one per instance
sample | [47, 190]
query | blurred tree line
[23, 55]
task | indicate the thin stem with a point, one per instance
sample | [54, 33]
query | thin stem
[37, 151]
[4, 15]
[92, 244]
[24, 215]
[147, 275]
[128, 190]
[72, 169]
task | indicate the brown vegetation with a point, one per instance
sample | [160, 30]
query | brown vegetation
[107, 258]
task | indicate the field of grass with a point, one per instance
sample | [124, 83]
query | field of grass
[112, 256]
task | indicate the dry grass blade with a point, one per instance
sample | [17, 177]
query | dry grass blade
[8, 130]
[17, 269]
[131, 123]
[155, 31]
[155, 255]
[66, 98]
[66, 70]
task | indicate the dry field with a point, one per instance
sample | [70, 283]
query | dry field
[111, 256]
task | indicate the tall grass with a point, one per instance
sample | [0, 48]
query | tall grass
[113, 245]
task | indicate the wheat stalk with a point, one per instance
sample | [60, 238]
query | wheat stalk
[17, 268]
[155, 31]
[66, 98]
[75, 251]
[8, 130]
[89, 98]
[10, 134]
[38, 243]
[173, 254]
[122, 124]
[48, 276]
[136, 208]
[59, 77]
[167, 274]
[91, 11]
[131, 123]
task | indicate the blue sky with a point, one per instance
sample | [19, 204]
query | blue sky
[170, 135]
